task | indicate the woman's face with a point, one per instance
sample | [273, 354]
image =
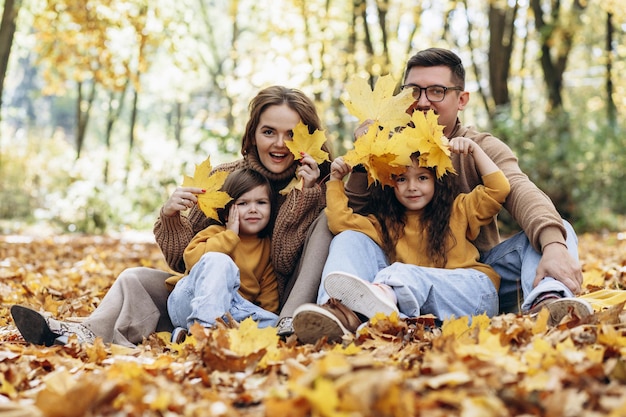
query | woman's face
[275, 127]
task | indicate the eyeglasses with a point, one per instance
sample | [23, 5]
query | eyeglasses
[434, 93]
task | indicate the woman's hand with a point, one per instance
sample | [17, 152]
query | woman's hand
[182, 198]
[308, 171]
[232, 223]
[339, 169]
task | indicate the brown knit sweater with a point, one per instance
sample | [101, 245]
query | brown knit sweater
[296, 212]
[530, 207]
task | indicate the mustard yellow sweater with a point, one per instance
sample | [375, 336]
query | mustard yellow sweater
[470, 212]
[251, 255]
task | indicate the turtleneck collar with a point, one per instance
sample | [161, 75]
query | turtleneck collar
[255, 163]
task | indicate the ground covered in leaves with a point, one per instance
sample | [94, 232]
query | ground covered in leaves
[507, 366]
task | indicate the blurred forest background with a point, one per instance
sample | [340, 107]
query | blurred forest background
[107, 103]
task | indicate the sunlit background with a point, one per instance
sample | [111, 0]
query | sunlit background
[107, 103]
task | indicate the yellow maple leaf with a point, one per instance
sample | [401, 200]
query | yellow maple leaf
[303, 141]
[323, 397]
[295, 184]
[456, 327]
[376, 153]
[378, 104]
[212, 199]
[604, 298]
[425, 136]
[248, 338]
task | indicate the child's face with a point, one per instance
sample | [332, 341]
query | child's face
[415, 188]
[254, 211]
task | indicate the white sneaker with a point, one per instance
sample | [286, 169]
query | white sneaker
[359, 295]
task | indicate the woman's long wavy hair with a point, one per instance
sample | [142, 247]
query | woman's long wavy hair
[435, 217]
[277, 95]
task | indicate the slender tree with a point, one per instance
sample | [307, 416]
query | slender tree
[7, 31]
[556, 26]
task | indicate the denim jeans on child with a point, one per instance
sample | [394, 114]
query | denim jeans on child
[516, 261]
[419, 290]
[209, 291]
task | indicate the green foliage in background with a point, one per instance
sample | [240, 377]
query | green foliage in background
[45, 187]
[106, 104]
[575, 160]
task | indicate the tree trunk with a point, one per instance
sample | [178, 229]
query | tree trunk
[112, 115]
[477, 72]
[610, 103]
[502, 36]
[556, 44]
[131, 134]
[7, 30]
[83, 110]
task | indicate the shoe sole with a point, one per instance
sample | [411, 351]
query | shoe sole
[179, 335]
[32, 326]
[285, 327]
[560, 308]
[312, 322]
[357, 295]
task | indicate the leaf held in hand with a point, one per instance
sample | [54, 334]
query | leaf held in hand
[213, 198]
[377, 154]
[295, 184]
[311, 144]
[378, 104]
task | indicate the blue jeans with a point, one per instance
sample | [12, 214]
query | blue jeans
[209, 291]
[419, 290]
[516, 261]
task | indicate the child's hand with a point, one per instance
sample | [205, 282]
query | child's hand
[462, 145]
[232, 223]
[308, 170]
[339, 169]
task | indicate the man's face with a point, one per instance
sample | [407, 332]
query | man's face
[453, 102]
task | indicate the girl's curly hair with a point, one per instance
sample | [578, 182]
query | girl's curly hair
[435, 217]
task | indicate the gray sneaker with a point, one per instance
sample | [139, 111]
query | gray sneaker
[40, 330]
[560, 307]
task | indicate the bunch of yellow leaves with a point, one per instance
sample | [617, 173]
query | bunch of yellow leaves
[305, 142]
[386, 149]
[213, 198]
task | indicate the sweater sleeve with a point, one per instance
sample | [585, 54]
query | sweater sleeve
[531, 208]
[211, 239]
[342, 218]
[173, 234]
[294, 217]
[484, 202]
[357, 190]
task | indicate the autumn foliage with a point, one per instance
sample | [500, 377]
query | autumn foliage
[507, 366]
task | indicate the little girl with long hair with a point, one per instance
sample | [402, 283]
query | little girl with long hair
[411, 252]
[229, 268]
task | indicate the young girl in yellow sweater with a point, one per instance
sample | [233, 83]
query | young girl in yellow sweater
[228, 265]
[411, 253]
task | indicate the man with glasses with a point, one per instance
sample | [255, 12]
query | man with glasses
[540, 263]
